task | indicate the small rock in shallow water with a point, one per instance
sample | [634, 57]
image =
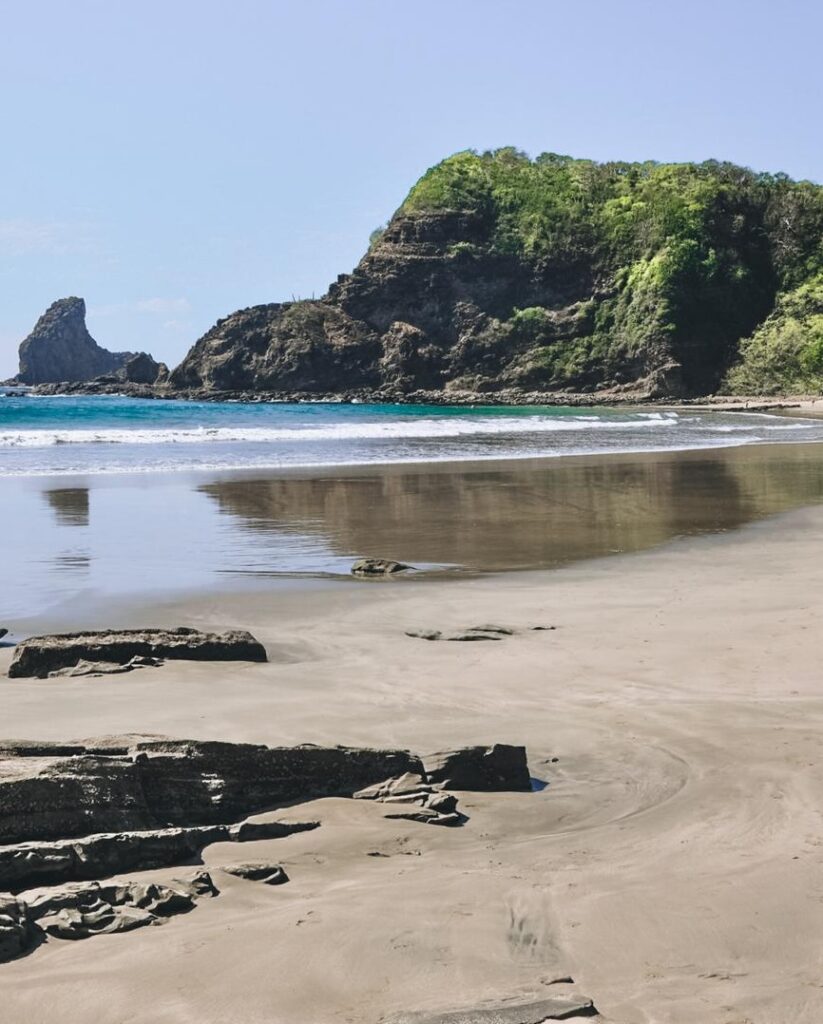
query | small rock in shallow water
[378, 567]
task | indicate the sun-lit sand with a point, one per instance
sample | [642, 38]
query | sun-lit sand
[671, 867]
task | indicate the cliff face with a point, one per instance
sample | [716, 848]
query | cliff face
[502, 272]
[60, 348]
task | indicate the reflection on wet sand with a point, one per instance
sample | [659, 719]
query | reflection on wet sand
[526, 515]
[69, 504]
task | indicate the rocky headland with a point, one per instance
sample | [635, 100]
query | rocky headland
[500, 273]
[555, 279]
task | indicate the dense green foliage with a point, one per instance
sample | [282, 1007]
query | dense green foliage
[718, 266]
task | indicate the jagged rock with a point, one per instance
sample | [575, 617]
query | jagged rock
[499, 767]
[377, 567]
[40, 655]
[537, 1012]
[60, 348]
[443, 803]
[142, 369]
[410, 783]
[410, 360]
[270, 874]
[82, 910]
[17, 932]
[296, 346]
[432, 807]
[132, 784]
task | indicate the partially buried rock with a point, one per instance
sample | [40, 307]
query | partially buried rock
[82, 910]
[469, 634]
[41, 655]
[269, 874]
[500, 767]
[378, 567]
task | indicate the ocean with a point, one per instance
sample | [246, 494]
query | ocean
[71, 435]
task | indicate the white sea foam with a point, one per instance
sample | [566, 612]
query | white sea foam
[410, 429]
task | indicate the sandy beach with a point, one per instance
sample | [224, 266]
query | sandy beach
[671, 866]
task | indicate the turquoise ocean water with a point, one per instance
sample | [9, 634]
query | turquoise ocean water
[70, 435]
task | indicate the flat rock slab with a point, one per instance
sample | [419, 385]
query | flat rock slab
[558, 1008]
[39, 656]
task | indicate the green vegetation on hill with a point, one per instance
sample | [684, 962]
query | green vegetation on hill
[714, 264]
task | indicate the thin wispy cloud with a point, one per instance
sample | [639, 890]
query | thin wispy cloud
[21, 237]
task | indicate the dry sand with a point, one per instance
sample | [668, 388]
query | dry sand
[673, 866]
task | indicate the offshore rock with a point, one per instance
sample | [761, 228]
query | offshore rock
[41, 655]
[60, 348]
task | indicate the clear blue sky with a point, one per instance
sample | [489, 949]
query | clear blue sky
[173, 161]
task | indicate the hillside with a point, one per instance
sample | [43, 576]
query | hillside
[499, 271]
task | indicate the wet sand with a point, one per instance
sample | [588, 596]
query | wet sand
[671, 866]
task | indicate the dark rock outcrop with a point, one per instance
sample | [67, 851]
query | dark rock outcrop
[41, 655]
[142, 369]
[499, 767]
[24, 865]
[17, 932]
[378, 567]
[56, 792]
[60, 348]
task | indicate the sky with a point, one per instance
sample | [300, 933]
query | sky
[174, 161]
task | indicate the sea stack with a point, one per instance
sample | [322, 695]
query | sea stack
[60, 348]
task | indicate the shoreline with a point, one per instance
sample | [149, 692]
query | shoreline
[299, 530]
